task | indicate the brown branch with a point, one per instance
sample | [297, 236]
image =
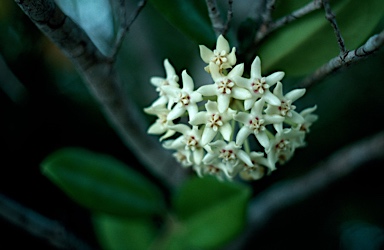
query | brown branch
[103, 82]
[39, 226]
[287, 193]
[271, 26]
[332, 19]
[373, 44]
[229, 16]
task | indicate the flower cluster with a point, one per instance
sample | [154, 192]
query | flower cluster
[235, 126]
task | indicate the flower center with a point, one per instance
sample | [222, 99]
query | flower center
[225, 86]
[182, 158]
[214, 122]
[286, 107]
[212, 169]
[191, 143]
[227, 155]
[184, 98]
[257, 124]
[259, 85]
[283, 145]
[219, 57]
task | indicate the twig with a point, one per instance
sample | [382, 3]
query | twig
[214, 15]
[39, 226]
[332, 19]
[125, 25]
[102, 80]
[373, 44]
[229, 16]
[272, 26]
[287, 193]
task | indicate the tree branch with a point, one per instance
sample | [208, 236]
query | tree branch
[39, 226]
[287, 193]
[373, 44]
[103, 82]
[332, 19]
[271, 26]
[214, 15]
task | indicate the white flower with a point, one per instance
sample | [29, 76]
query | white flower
[162, 124]
[283, 146]
[286, 108]
[258, 169]
[215, 121]
[190, 141]
[309, 118]
[170, 80]
[212, 170]
[226, 156]
[255, 122]
[224, 87]
[220, 56]
[258, 85]
[185, 98]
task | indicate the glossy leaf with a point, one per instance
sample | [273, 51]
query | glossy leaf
[116, 233]
[210, 212]
[190, 17]
[307, 43]
[102, 183]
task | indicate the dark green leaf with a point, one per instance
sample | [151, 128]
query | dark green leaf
[190, 17]
[102, 183]
[211, 213]
[307, 43]
[116, 233]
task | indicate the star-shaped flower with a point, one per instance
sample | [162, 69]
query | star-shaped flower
[215, 121]
[259, 168]
[170, 80]
[220, 56]
[224, 87]
[189, 141]
[185, 98]
[255, 122]
[286, 107]
[162, 124]
[283, 146]
[258, 85]
[226, 156]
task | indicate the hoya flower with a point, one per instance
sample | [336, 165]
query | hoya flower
[283, 146]
[259, 168]
[258, 85]
[182, 156]
[190, 141]
[286, 108]
[224, 87]
[170, 80]
[254, 123]
[309, 118]
[185, 98]
[215, 121]
[226, 156]
[162, 124]
[221, 56]
[212, 170]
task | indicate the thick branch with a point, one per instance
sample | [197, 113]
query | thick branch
[102, 80]
[373, 44]
[287, 193]
[39, 226]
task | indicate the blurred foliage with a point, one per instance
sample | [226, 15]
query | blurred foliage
[54, 110]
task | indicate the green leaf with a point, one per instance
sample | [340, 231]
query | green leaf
[102, 183]
[190, 17]
[307, 43]
[211, 213]
[116, 233]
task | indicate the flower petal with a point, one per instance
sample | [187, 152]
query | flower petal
[226, 131]
[208, 135]
[222, 44]
[242, 135]
[256, 68]
[207, 90]
[295, 94]
[223, 102]
[263, 139]
[274, 78]
[205, 53]
[240, 93]
[199, 118]
[271, 98]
